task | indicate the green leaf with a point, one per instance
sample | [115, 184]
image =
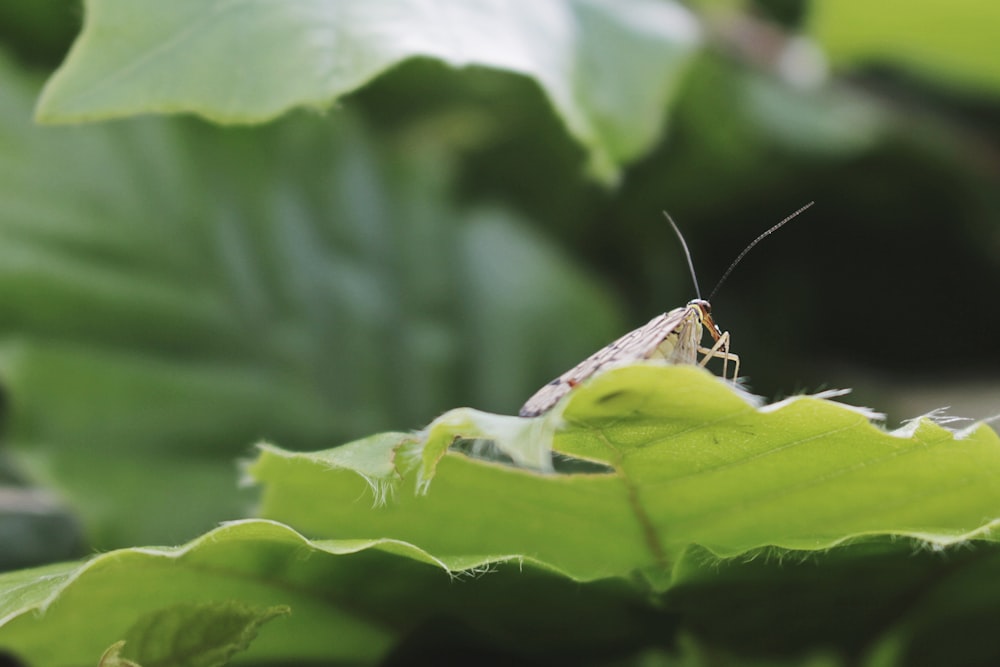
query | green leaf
[608, 68]
[355, 600]
[873, 602]
[259, 565]
[112, 657]
[196, 635]
[690, 460]
[351, 600]
[173, 292]
[955, 40]
[514, 558]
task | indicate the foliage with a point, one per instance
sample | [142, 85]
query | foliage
[179, 295]
[176, 57]
[930, 37]
[687, 461]
[403, 232]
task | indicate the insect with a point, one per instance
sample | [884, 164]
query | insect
[674, 336]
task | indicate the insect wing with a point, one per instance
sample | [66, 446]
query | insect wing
[636, 345]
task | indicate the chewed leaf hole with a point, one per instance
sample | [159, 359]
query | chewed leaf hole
[486, 449]
[570, 465]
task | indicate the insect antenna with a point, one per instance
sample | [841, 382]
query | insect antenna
[687, 253]
[748, 248]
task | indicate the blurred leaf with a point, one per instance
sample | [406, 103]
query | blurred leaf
[955, 41]
[36, 528]
[828, 122]
[608, 68]
[40, 31]
[690, 461]
[174, 292]
[877, 602]
[741, 118]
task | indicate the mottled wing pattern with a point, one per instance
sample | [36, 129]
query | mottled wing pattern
[636, 345]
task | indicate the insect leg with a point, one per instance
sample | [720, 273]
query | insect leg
[721, 351]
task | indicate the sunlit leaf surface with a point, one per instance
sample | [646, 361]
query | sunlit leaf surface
[608, 68]
[689, 460]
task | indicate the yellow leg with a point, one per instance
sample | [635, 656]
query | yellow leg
[721, 351]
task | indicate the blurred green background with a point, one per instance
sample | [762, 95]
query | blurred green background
[172, 291]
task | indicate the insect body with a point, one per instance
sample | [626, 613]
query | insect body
[674, 337]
